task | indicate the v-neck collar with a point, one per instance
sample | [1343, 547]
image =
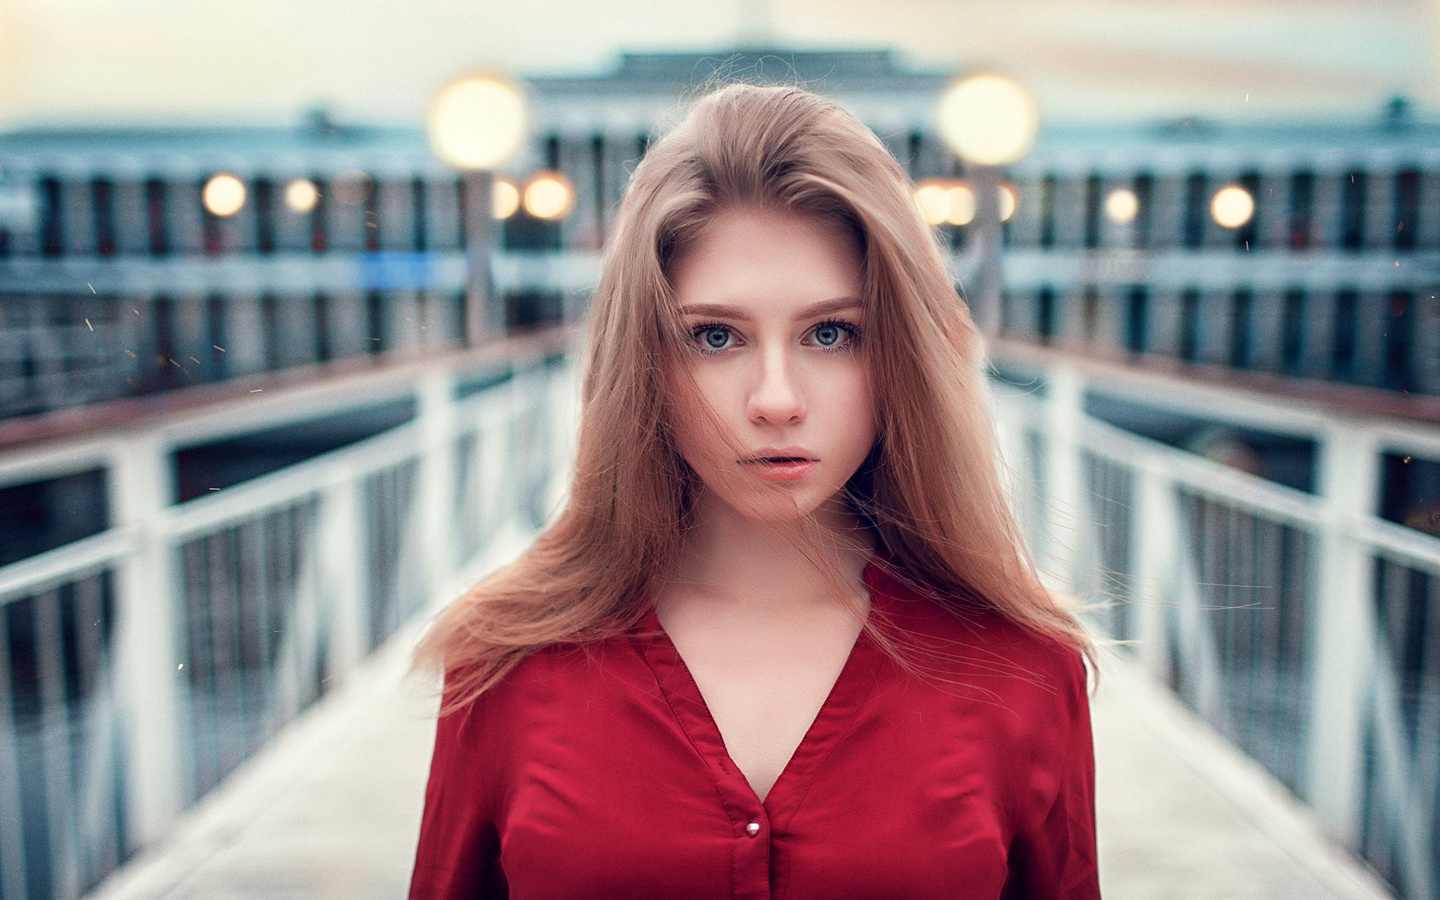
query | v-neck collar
[836, 716]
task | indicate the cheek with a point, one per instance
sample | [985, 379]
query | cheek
[860, 409]
[693, 425]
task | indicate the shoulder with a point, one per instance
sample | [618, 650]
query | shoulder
[559, 681]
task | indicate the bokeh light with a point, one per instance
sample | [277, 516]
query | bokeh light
[1122, 206]
[549, 196]
[949, 201]
[988, 119]
[1009, 201]
[224, 195]
[961, 204]
[504, 198]
[478, 122]
[301, 196]
[934, 204]
[1232, 206]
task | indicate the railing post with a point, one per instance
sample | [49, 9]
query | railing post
[499, 493]
[1157, 561]
[436, 421]
[1064, 399]
[147, 659]
[1344, 625]
[341, 543]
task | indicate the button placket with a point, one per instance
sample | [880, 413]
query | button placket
[752, 854]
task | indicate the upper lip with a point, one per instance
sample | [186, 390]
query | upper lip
[773, 454]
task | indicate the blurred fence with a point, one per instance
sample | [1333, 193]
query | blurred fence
[1301, 625]
[140, 666]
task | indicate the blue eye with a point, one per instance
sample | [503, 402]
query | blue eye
[711, 337]
[834, 335]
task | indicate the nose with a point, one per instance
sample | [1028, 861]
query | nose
[775, 396]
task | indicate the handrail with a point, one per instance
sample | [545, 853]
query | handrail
[1201, 475]
[1196, 473]
[1289, 619]
[284, 486]
[1402, 544]
[69, 562]
[198, 630]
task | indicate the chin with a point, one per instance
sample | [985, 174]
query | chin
[778, 508]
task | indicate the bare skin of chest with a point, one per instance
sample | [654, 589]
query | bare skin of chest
[764, 677]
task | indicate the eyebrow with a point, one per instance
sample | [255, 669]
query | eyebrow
[822, 308]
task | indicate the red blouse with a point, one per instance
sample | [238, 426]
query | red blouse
[597, 772]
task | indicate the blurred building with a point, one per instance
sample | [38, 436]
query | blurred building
[346, 243]
[144, 269]
[347, 240]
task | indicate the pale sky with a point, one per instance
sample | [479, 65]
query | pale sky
[268, 60]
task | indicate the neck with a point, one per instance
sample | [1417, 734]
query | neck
[776, 566]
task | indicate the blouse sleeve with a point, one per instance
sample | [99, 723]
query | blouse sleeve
[1053, 855]
[459, 850]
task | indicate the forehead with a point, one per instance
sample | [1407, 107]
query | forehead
[759, 255]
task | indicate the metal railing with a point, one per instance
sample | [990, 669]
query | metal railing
[140, 666]
[1301, 625]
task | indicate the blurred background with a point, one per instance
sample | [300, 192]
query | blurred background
[277, 366]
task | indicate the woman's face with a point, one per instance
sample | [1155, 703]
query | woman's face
[771, 304]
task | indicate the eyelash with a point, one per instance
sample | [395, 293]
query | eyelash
[850, 329]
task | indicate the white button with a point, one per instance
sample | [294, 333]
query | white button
[752, 829]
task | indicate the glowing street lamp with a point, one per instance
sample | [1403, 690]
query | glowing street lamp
[1122, 205]
[549, 196]
[1232, 207]
[302, 196]
[476, 124]
[479, 121]
[988, 120]
[223, 195]
[504, 199]
[951, 201]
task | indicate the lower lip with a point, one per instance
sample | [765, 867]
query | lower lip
[781, 471]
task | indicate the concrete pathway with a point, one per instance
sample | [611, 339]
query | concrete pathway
[1183, 815]
[332, 807]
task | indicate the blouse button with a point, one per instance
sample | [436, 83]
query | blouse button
[752, 829]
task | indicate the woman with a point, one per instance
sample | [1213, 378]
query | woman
[783, 640]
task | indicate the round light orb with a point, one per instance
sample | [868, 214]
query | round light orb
[988, 119]
[1122, 206]
[478, 122]
[1009, 201]
[548, 196]
[301, 196]
[933, 202]
[224, 195]
[504, 199]
[961, 204]
[1232, 206]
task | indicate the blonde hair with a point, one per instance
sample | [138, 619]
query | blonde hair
[930, 490]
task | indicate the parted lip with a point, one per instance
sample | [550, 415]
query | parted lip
[780, 455]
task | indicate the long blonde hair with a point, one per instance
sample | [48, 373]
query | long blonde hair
[931, 489]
